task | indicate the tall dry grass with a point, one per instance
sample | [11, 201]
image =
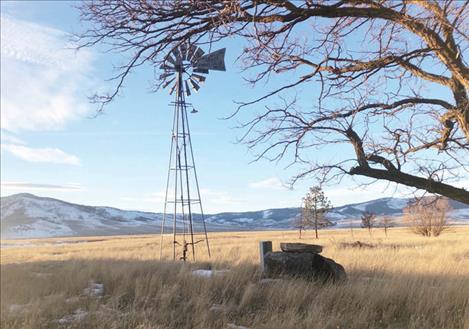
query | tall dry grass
[406, 281]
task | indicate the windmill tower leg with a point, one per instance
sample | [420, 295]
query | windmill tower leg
[197, 187]
[186, 166]
[163, 222]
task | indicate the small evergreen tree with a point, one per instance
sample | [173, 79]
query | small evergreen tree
[316, 205]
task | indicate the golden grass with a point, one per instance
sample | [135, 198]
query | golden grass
[407, 281]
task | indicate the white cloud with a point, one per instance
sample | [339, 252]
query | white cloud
[40, 187]
[50, 155]
[154, 199]
[356, 193]
[43, 80]
[10, 139]
[462, 183]
[212, 200]
[269, 183]
[219, 198]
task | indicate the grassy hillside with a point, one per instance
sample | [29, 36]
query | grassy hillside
[406, 281]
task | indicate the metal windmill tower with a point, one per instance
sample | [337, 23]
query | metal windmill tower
[184, 71]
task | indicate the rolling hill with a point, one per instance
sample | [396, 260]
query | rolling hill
[29, 216]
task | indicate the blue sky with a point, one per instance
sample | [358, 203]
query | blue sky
[52, 145]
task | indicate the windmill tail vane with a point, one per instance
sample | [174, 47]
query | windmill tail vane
[185, 69]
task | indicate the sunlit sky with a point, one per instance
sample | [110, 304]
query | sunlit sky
[53, 144]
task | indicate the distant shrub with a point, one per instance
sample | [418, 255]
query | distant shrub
[386, 223]
[427, 216]
[368, 220]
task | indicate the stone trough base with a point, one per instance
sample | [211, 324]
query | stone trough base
[307, 265]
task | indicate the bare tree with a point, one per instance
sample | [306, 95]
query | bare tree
[427, 216]
[388, 78]
[301, 222]
[386, 223]
[316, 205]
[368, 220]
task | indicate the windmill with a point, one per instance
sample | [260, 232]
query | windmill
[185, 69]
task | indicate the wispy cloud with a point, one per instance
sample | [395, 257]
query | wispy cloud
[462, 183]
[43, 79]
[154, 198]
[219, 198]
[213, 200]
[9, 138]
[269, 183]
[354, 193]
[49, 155]
[147, 201]
[35, 186]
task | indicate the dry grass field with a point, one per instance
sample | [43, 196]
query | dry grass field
[406, 281]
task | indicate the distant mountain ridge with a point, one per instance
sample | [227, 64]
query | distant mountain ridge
[29, 216]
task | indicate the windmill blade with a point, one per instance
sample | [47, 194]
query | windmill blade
[188, 91]
[198, 78]
[167, 66]
[195, 86]
[183, 49]
[165, 75]
[174, 87]
[177, 54]
[170, 59]
[197, 54]
[213, 61]
[190, 52]
[166, 84]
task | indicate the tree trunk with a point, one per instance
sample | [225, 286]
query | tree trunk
[463, 122]
[316, 226]
[462, 103]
